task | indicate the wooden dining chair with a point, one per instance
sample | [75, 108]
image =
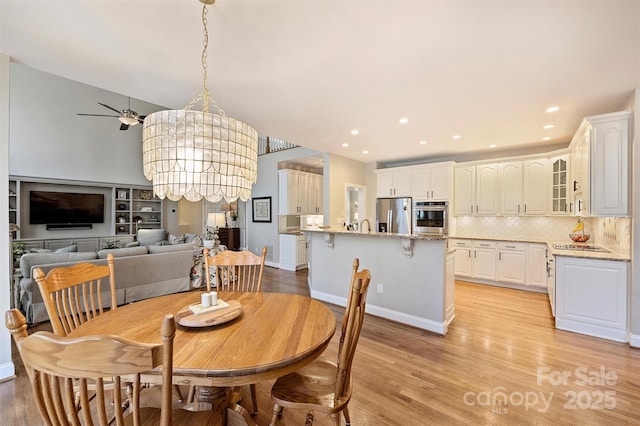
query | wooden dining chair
[59, 367]
[235, 270]
[74, 295]
[323, 385]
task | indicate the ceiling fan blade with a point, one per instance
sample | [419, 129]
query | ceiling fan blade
[141, 118]
[111, 108]
[99, 115]
[124, 126]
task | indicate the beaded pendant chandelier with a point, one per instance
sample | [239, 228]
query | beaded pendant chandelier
[199, 154]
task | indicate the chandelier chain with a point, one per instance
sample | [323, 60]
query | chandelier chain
[205, 45]
[204, 95]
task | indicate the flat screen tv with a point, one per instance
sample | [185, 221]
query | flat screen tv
[65, 208]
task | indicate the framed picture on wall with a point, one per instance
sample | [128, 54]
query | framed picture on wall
[261, 209]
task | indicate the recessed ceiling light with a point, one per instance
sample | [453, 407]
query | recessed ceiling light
[365, 152]
[492, 145]
[344, 145]
[422, 142]
[547, 138]
[552, 109]
[456, 137]
[404, 120]
[548, 126]
[355, 131]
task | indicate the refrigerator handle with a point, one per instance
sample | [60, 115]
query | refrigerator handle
[389, 220]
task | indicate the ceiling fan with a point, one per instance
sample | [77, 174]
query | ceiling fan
[127, 117]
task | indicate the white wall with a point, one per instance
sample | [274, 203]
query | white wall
[338, 171]
[49, 140]
[6, 365]
[635, 203]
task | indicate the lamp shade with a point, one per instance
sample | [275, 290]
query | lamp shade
[197, 155]
[215, 220]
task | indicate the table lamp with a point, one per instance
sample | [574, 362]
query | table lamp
[215, 221]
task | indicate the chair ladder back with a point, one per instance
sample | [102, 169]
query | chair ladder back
[73, 295]
[236, 270]
[77, 305]
[351, 327]
[108, 363]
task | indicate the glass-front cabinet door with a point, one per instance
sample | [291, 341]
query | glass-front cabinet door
[560, 203]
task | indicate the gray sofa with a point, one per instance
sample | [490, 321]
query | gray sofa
[140, 273]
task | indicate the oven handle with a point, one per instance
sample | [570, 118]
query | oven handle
[430, 209]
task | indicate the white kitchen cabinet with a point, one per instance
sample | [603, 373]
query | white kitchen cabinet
[536, 270]
[536, 185]
[464, 189]
[393, 182]
[475, 259]
[431, 182]
[463, 256]
[302, 248]
[560, 201]
[600, 165]
[592, 297]
[580, 162]
[484, 260]
[523, 187]
[511, 262]
[487, 189]
[523, 265]
[609, 162]
[293, 252]
[476, 190]
[315, 197]
[510, 187]
[299, 192]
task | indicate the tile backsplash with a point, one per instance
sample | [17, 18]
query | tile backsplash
[611, 232]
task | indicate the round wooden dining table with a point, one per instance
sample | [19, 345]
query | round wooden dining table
[276, 334]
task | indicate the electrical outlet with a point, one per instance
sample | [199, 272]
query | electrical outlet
[380, 288]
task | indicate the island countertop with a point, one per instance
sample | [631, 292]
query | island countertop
[341, 231]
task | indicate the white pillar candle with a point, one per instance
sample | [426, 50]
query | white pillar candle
[205, 299]
[213, 296]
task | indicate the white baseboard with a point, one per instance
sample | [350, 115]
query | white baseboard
[272, 264]
[634, 340]
[401, 317]
[592, 330]
[7, 371]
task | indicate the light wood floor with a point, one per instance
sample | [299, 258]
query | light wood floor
[495, 347]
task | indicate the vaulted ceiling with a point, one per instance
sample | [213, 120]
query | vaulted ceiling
[310, 72]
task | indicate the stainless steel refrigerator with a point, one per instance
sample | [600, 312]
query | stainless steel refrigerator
[394, 215]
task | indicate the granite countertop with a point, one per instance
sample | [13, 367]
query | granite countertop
[611, 255]
[341, 231]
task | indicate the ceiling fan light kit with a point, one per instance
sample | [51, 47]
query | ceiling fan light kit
[199, 154]
[127, 117]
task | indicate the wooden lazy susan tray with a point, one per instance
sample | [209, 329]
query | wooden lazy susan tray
[187, 318]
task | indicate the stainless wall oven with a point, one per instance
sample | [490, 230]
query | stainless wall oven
[430, 217]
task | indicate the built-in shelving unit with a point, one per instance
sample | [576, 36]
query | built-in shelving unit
[128, 208]
[136, 208]
[14, 203]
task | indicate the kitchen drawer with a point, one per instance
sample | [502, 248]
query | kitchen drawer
[503, 245]
[485, 244]
[453, 243]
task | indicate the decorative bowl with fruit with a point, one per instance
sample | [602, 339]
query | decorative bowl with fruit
[579, 237]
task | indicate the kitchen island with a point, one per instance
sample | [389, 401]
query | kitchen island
[412, 276]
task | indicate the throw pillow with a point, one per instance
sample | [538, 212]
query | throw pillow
[69, 249]
[176, 239]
